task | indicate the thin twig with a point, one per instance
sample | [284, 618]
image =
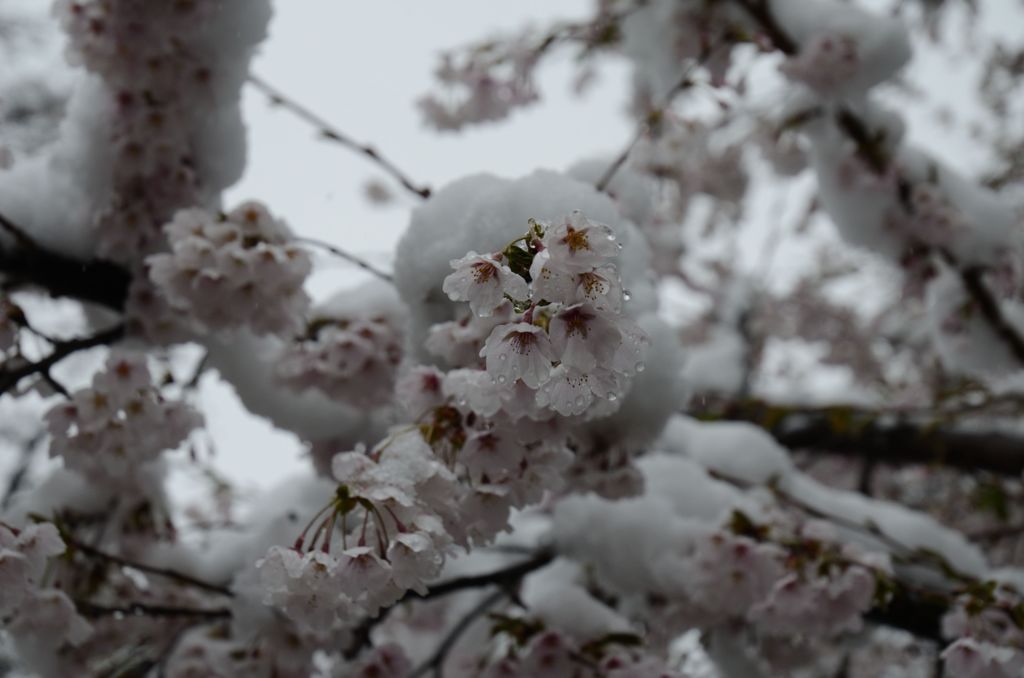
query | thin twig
[168, 573]
[144, 609]
[21, 472]
[328, 131]
[649, 121]
[505, 578]
[20, 235]
[9, 377]
[436, 661]
[197, 373]
[351, 258]
[972, 278]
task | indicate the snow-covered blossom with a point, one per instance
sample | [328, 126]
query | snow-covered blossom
[111, 429]
[232, 271]
[165, 109]
[572, 344]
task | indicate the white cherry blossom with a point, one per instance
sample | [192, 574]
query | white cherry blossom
[583, 337]
[578, 244]
[519, 351]
[484, 281]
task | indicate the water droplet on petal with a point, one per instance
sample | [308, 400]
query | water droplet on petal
[612, 397]
[619, 245]
[626, 295]
[579, 401]
[502, 357]
[640, 367]
[502, 379]
[611, 236]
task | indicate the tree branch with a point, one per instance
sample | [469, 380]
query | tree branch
[876, 156]
[866, 434]
[89, 609]
[973, 280]
[10, 376]
[351, 258]
[21, 470]
[650, 121]
[505, 578]
[27, 262]
[168, 573]
[436, 661]
[328, 131]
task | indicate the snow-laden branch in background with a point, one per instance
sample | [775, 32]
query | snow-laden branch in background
[718, 508]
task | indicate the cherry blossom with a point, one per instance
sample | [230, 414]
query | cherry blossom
[972, 659]
[519, 351]
[484, 282]
[579, 245]
[111, 429]
[235, 270]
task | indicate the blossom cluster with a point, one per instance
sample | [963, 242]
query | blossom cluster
[988, 639]
[382, 534]
[228, 271]
[158, 130]
[809, 590]
[147, 56]
[403, 507]
[28, 608]
[351, 359]
[562, 337]
[547, 339]
[484, 87]
[782, 582]
[109, 430]
[971, 658]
